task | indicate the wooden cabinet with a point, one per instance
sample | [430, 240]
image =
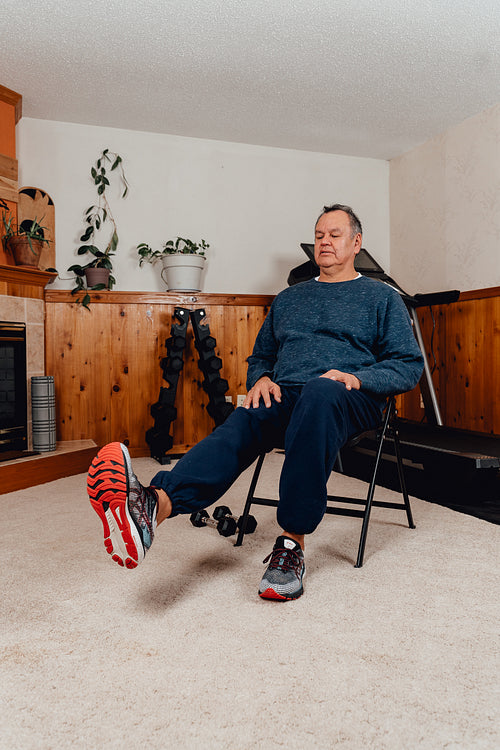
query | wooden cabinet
[106, 362]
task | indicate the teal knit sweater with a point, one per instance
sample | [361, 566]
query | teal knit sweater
[359, 326]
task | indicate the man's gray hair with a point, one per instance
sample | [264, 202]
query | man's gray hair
[353, 219]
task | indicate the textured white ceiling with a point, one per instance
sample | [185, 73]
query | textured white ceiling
[359, 77]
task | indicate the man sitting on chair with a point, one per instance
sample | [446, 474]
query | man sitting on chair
[328, 354]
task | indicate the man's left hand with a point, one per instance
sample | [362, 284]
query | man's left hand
[350, 381]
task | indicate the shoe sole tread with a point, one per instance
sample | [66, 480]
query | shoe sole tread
[107, 487]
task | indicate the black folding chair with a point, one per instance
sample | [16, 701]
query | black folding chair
[387, 430]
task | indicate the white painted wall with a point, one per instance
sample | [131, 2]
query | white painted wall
[445, 209]
[254, 205]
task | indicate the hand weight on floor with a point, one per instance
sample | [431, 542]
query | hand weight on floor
[222, 511]
[225, 526]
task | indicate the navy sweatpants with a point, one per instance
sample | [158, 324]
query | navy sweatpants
[312, 421]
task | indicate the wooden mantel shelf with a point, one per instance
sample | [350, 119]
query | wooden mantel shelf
[26, 275]
[24, 281]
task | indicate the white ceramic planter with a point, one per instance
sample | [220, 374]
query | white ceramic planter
[182, 272]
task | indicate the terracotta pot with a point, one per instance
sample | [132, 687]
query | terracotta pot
[22, 252]
[183, 272]
[96, 276]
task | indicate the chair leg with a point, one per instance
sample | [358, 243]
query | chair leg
[248, 504]
[371, 490]
[401, 476]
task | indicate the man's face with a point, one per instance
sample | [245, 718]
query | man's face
[334, 247]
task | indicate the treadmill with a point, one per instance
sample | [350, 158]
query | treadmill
[432, 441]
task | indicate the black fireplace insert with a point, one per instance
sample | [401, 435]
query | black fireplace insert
[13, 395]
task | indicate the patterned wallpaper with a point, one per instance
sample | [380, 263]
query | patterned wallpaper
[445, 209]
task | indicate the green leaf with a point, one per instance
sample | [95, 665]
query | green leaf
[116, 162]
[88, 234]
[114, 242]
[88, 249]
[78, 270]
[100, 189]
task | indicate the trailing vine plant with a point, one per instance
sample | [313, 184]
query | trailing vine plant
[95, 217]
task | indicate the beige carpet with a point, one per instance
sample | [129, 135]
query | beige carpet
[182, 653]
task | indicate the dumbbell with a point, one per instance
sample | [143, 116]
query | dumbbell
[222, 511]
[225, 526]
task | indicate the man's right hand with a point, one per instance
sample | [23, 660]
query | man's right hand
[264, 388]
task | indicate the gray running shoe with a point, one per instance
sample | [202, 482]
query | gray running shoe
[283, 577]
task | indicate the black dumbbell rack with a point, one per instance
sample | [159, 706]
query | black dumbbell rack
[164, 411]
[210, 365]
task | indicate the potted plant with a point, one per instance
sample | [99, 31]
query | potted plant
[183, 262]
[97, 272]
[25, 241]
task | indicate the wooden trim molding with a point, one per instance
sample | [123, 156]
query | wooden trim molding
[163, 298]
[12, 97]
[492, 291]
[200, 299]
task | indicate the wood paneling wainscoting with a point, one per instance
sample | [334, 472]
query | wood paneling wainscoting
[466, 344]
[106, 362]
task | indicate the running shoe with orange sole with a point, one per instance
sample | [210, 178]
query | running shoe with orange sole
[126, 508]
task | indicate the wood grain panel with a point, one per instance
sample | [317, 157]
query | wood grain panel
[8, 189]
[106, 363]
[14, 100]
[8, 167]
[467, 374]
[106, 366]
[7, 128]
